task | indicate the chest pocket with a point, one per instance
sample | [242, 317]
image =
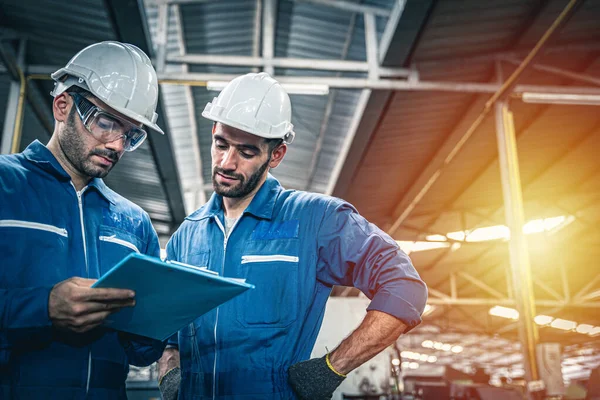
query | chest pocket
[114, 245]
[28, 248]
[274, 302]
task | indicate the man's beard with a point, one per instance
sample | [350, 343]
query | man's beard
[73, 146]
[242, 188]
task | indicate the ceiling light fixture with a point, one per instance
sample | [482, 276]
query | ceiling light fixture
[291, 88]
[557, 98]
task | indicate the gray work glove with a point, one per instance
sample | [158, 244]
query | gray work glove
[313, 379]
[169, 384]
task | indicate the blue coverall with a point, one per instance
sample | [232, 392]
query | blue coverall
[293, 246]
[49, 232]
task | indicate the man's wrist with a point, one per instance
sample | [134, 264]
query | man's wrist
[331, 367]
[337, 364]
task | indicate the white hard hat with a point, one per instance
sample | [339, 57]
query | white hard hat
[119, 74]
[254, 103]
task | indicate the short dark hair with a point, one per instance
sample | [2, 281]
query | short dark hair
[273, 143]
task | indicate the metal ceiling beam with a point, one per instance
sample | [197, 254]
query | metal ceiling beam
[312, 168]
[200, 79]
[414, 15]
[371, 46]
[558, 71]
[35, 99]
[283, 62]
[473, 301]
[161, 37]
[549, 290]
[414, 85]
[571, 237]
[398, 28]
[257, 30]
[371, 55]
[589, 286]
[433, 170]
[13, 117]
[268, 35]
[410, 202]
[582, 143]
[130, 25]
[483, 286]
[350, 7]
[359, 111]
[198, 191]
[522, 281]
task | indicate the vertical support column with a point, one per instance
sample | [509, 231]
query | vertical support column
[162, 36]
[453, 291]
[268, 31]
[13, 118]
[257, 28]
[565, 283]
[509, 289]
[361, 105]
[371, 45]
[519, 256]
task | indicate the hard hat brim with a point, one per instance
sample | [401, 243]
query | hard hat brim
[207, 113]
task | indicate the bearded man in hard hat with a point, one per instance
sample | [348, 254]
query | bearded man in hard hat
[293, 246]
[61, 228]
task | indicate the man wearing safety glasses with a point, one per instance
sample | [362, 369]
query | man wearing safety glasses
[61, 228]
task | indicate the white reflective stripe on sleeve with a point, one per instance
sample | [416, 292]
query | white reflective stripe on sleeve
[268, 258]
[13, 223]
[113, 239]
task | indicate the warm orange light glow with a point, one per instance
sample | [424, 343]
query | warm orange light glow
[428, 309]
[501, 232]
[595, 331]
[543, 319]
[563, 324]
[504, 312]
[584, 328]
[436, 238]
[410, 247]
[547, 320]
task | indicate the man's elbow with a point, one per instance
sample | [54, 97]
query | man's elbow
[423, 294]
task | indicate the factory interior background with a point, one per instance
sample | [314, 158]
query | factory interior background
[450, 124]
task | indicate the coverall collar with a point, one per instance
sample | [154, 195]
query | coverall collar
[261, 206]
[39, 154]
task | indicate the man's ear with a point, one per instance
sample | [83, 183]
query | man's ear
[278, 154]
[61, 106]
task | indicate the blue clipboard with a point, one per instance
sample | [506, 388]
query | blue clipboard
[169, 295]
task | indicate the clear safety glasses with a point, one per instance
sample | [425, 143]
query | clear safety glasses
[107, 127]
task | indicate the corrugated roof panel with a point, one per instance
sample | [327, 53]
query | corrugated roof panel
[308, 30]
[337, 129]
[179, 107]
[481, 150]
[303, 30]
[582, 26]
[56, 31]
[460, 28]
[207, 28]
[409, 135]
[68, 26]
[223, 27]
